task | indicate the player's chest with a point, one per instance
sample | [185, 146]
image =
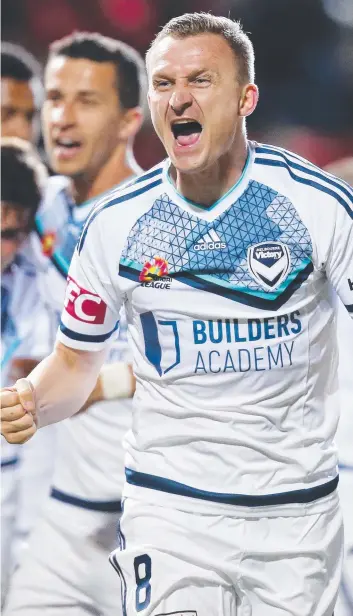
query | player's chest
[255, 255]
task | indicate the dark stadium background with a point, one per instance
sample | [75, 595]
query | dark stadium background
[304, 52]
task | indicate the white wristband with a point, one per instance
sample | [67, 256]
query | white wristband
[116, 380]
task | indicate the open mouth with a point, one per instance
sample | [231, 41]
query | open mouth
[186, 133]
[66, 148]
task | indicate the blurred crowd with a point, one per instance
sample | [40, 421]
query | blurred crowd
[304, 51]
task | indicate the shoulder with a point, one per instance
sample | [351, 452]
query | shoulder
[299, 171]
[141, 184]
[55, 186]
[23, 267]
[125, 203]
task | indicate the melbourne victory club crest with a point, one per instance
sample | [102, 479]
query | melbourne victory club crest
[269, 263]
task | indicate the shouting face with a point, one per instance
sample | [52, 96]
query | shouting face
[196, 99]
[81, 115]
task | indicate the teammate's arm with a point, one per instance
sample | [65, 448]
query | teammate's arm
[59, 386]
[115, 381]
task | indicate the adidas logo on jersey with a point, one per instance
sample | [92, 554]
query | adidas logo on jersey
[210, 241]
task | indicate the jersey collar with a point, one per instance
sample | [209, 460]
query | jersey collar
[221, 204]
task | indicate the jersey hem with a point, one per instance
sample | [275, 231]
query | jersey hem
[196, 505]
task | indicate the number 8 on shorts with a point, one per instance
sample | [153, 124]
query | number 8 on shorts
[143, 572]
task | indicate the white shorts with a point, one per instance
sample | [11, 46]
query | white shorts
[9, 492]
[65, 570]
[26, 473]
[175, 562]
[344, 605]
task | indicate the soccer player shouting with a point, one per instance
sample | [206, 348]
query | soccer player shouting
[231, 470]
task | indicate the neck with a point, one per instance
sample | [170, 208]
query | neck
[119, 167]
[209, 185]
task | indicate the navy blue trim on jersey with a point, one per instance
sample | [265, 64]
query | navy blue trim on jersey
[116, 566]
[192, 280]
[121, 536]
[153, 349]
[278, 163]
[307, 169]
[148, 176]
[83, 503]
[242, 297]
[129, 272]
[10, 462]
[86, 337]
[305, 495]
[349, 307]
[121, 532]
[120, 199]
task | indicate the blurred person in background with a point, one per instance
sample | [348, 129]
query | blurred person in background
[21, 93]
[26, 337]
[93, 91]
[343, 169]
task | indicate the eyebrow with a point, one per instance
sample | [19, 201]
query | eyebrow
[79, 93]
[195, 73]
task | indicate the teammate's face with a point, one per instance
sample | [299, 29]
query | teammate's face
[15, 228]
[17, 109]
[81, 115]
[196, 99]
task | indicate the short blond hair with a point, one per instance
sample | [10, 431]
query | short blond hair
[193, 24]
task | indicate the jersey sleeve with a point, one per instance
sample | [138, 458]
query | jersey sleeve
[93, 301]
[339, 264]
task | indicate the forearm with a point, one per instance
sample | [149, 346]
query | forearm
[115, 381]
[62, 383]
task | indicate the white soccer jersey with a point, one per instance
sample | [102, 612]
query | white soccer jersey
[232, 326]
[22, 335]
[89, 463]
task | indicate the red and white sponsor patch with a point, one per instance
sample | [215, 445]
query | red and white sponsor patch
[84, 305]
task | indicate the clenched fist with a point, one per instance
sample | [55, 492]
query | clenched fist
[18, 412]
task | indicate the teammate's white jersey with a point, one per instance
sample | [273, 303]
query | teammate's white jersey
[22, 336]
[89, 462]
[233, 330]
[26, 333]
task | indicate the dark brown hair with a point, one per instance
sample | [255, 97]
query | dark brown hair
[127, 61]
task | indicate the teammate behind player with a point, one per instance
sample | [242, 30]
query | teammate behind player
[25, 328]
[90, 116]
[223, 260]
[21, 93]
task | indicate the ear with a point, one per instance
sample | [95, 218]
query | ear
[131, 123]
[248, 100]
